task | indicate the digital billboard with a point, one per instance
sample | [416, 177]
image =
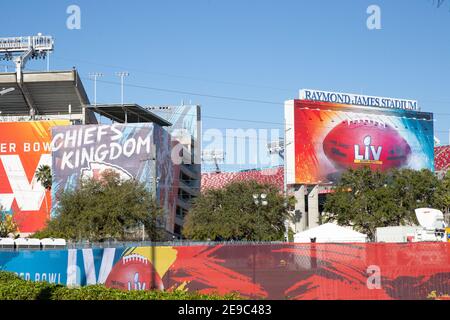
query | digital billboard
[323, 139]
[24, 147]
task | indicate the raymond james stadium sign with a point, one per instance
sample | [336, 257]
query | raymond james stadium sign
[359, 100]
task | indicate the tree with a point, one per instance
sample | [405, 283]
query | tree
[231, 214]
[7, 224]
[44, 176]
[442, 198]
[367, 199]
[105, 208]
[415, 189]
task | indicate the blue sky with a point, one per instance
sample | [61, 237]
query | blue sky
[259, 50]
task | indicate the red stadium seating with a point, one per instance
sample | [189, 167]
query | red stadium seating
[219, 180]
[442, 158]
[276, 175]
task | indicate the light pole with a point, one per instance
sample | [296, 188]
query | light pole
[279, 147]
[48, 61]
[95, 76]
[260, 199]
[214, 155]
[122, 75]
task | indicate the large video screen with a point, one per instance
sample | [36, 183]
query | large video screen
[24, 147]
[324, 139]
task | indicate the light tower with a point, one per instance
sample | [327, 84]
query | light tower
[20, 50]
[95, 76]
[276, 147]
[279, 147]
[215, 156]
[122, 75]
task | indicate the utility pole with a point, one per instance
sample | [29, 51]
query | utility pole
[122, 75]
[279, 147]
[95, 76]
[260, 199]
[286, 222]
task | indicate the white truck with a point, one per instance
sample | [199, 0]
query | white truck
[432, 223]
[432, 228]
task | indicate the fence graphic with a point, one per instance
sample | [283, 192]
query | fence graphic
[270, 271]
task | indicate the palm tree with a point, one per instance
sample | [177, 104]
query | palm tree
[44, 176]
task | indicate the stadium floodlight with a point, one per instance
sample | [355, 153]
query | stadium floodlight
[95, 76]
[21, 49]
[6, 91]
[215, 156]
[437, 142]
[277, 147]
[122, 75]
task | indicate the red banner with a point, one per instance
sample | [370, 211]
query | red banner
[24, 146]
[292, 271]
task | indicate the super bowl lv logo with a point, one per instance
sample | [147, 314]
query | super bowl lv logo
[131, 270]
[369, 153]
[29, 196]
[24, 147]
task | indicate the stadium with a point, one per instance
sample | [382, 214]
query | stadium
[135, 141]
[324, 138]
[47, 118]
[52, 109]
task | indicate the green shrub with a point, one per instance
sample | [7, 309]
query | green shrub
[100, 292]
[8, 276]
[14, 288]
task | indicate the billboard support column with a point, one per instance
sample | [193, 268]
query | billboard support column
[84, 115]
[301, 218]
[313, 207]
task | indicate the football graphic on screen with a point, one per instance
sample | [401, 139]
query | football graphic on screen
[356, 143]
[134, 272]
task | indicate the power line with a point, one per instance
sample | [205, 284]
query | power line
[248, 100]
[282, 124]
[217, 97]
[205, 79]
[179, 76]
[192, 93]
